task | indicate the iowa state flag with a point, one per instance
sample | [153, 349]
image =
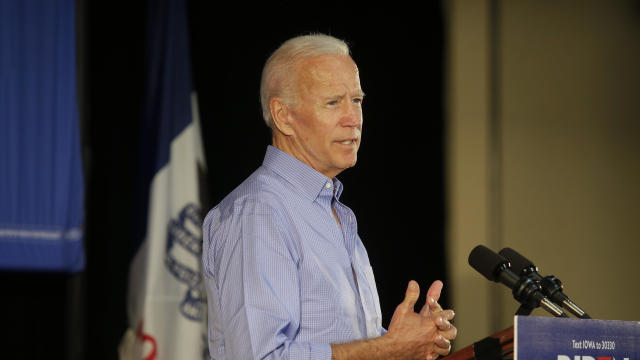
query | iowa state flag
[166, 302]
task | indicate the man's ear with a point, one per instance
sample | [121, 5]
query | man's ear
[281, 116]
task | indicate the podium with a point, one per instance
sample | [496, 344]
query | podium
[494, 347]
[543, 338]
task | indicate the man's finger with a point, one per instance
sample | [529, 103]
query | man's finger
[434, 291]
[425, 311]
[447, 314]
[411, 296]
[433, 295]
[442, 350]
[450, 333]
[432, 356]
[442, 343]
[442, 323]
[430, 307]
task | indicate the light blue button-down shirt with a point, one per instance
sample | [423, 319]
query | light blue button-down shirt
[284, 279]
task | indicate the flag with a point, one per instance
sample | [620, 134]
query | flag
[41, 180]
[166, 303]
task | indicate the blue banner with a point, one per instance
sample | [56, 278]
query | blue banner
[41, 182]
[538, 338]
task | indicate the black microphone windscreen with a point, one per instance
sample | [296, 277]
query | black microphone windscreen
[486, 261]
[518, 262]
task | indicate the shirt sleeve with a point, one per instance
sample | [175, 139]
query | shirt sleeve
[258, 287]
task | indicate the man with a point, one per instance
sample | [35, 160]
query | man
[287, 275]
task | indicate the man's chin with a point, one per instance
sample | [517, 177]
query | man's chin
[348, 163]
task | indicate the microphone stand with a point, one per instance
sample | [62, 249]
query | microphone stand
[524, 292]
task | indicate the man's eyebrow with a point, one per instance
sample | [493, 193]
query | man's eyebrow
[334, 97]
[341, 96]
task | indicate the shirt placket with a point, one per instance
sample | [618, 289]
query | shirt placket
[367, 305]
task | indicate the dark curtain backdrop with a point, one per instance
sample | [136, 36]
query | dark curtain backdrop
[396, 190]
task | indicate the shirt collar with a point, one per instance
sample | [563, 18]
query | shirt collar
[310, 182]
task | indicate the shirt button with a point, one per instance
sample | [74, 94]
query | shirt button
[327, 185]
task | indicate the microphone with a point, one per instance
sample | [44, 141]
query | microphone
[497, 269]
[551, 285]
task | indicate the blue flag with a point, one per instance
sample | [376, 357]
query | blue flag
[41, 182]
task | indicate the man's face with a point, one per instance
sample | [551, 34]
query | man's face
[326, 118]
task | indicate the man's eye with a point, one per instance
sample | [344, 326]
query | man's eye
[357, 100]
[332, 102]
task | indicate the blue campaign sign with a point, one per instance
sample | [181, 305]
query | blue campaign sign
[538, 338]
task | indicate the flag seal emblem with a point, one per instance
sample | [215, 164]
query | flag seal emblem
[182, 259]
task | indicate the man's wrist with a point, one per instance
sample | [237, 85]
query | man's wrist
[376, 348]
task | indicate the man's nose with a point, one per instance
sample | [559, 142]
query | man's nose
[352, 116]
